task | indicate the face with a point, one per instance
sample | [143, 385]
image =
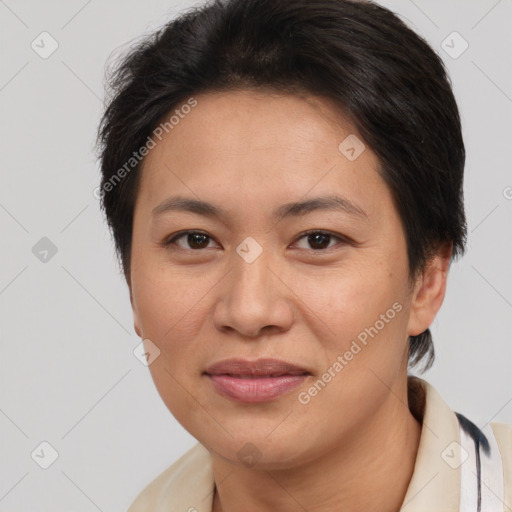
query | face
[322, 287]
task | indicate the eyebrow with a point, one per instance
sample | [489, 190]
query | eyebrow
[294, 209]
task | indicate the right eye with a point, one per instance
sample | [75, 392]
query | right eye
[196, 240]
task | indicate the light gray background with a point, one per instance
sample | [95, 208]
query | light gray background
[68, 374]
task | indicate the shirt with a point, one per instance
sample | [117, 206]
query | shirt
[458, 467]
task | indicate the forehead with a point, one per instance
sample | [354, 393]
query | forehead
[257, 146]
[212, 123]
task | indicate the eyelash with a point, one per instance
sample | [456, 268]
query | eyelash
[171, 241]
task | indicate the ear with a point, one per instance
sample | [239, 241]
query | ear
[136, 321]
[429, 291]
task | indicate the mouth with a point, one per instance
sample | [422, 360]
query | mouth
[255, 381]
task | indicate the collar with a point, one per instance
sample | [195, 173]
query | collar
[435, 482]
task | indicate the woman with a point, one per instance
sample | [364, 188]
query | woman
[283, 180]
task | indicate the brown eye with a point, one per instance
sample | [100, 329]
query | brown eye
[318, 240]
[194, 240]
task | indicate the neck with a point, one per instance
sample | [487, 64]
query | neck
[374, 467]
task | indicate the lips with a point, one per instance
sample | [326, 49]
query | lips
[255, 381]
[260, 368]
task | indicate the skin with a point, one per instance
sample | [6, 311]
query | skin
[354, 444]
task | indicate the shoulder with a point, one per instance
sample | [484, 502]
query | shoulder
[179, 486]
[503, 435]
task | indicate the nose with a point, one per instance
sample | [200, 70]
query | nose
[254, 300]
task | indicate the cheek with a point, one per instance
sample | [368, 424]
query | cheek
[350, 300]
[173, 309]
[170, 315]
[366, 315]
[166, 297]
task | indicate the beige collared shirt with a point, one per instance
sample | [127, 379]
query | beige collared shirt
[443, 479]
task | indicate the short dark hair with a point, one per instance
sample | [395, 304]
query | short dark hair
[387, 80]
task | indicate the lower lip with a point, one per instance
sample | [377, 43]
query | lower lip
[261, 389]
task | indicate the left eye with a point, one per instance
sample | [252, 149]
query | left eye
[319, 240]
[196, 240]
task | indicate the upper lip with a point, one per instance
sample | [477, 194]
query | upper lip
[259, 367]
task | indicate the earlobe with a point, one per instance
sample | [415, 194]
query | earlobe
[429, 291]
